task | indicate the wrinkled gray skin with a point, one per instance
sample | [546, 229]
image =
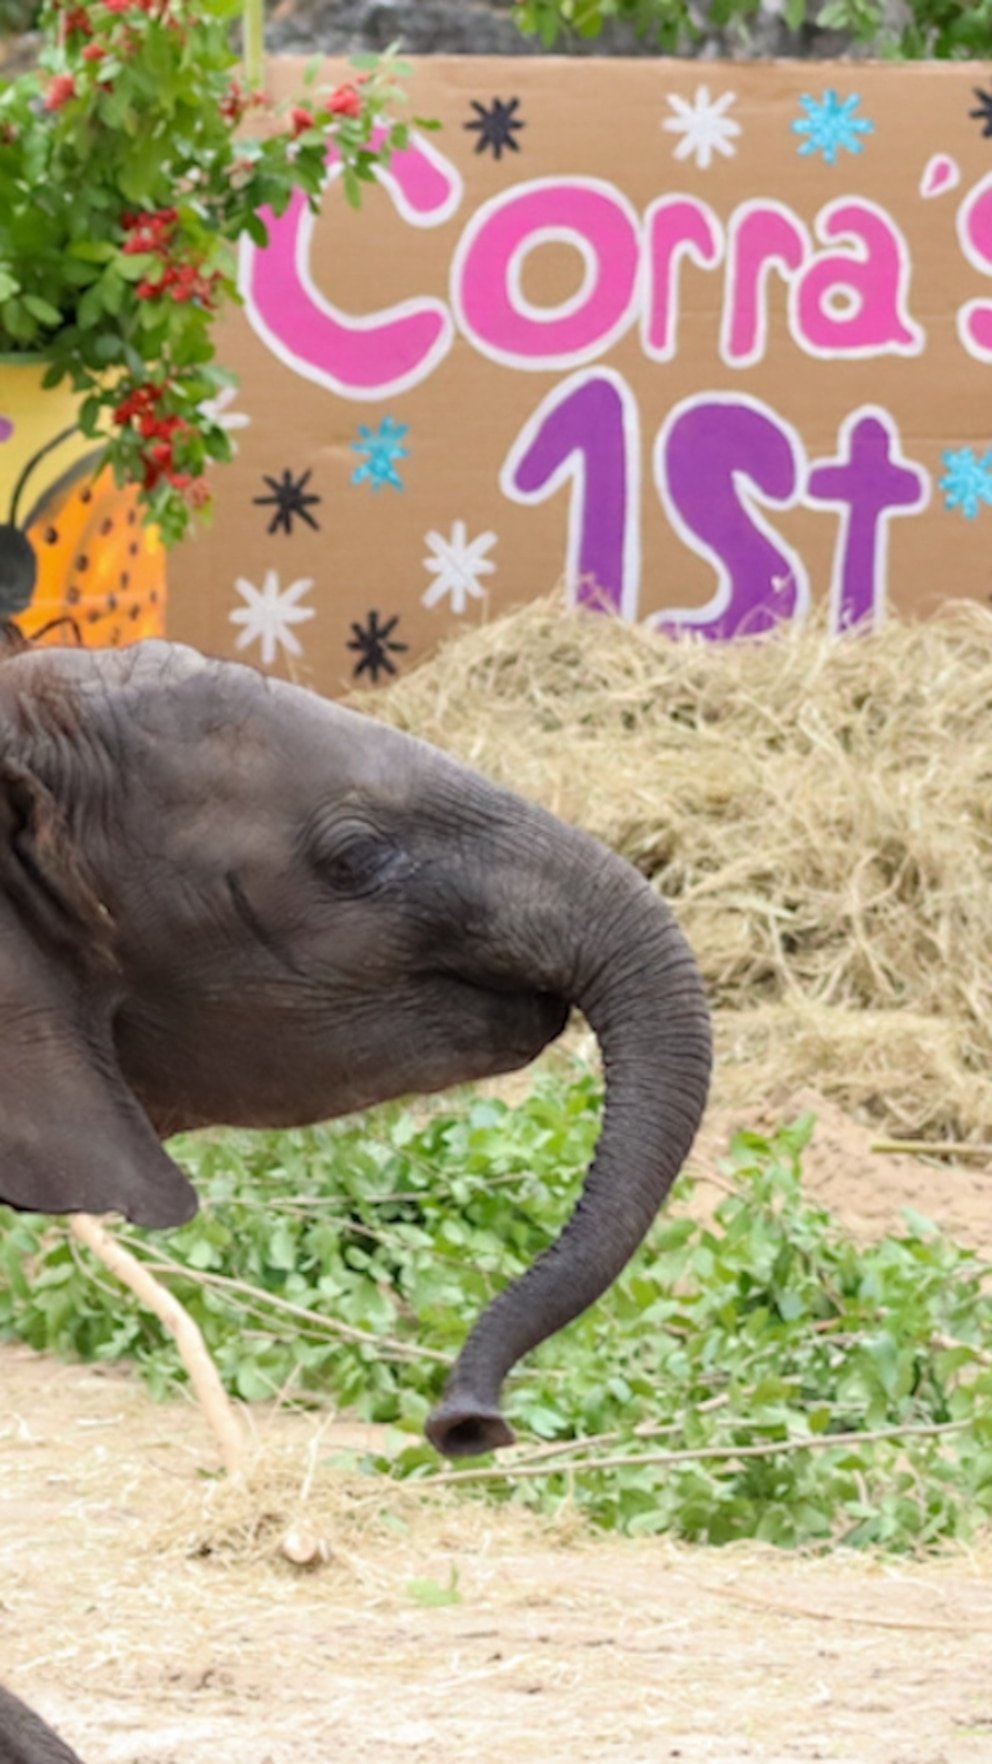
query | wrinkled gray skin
[224, 900]
[24, 1738]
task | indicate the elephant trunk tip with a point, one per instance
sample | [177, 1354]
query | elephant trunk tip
[462, 1428]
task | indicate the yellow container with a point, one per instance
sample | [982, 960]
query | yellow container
[97, 567]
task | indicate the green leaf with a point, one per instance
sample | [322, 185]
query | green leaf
[42, 310]
[431, 1594]
[91, 307]
[251, 1385]
[93, 250]
[256, 229]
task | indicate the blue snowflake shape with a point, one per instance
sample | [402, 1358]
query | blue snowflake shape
[831, 126]
[967, 483]
[382, 448]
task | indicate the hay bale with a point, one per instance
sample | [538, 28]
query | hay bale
[818, 812]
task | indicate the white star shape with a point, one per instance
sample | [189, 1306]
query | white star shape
[704, 126]
[217, 410]
[269, 614]
[456, 564]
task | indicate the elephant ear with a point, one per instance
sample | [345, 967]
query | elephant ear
[73, 1138]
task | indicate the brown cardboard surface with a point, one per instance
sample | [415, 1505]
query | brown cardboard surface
[846, 459]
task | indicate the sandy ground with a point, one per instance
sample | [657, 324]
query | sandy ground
[559, 1645]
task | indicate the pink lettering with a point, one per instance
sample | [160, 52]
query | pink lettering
[486, 291]
[940, 174]
[975, 234]
[677, 227]
[853, 302]
[360, 358]
[763, 236]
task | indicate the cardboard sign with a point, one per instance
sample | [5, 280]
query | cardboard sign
[710, 341]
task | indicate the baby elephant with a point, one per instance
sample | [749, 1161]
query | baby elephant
[24, 1738]
[224, 900]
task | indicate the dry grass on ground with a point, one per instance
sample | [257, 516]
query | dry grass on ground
[818, 812]
[558, 1646]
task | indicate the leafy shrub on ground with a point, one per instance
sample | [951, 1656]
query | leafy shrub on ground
[759, 1374]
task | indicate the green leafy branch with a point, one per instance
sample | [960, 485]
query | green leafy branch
[754, 1373]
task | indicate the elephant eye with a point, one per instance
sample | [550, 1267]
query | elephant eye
[355, 860]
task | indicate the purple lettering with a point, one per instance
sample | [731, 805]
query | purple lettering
[716, 458]
[586, 432]
[869, 483]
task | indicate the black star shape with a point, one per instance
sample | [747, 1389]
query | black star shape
[496, 126]
[289, 498]
[983, 114]
[375, 646]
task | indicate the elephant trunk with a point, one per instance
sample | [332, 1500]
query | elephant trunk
[638, 986]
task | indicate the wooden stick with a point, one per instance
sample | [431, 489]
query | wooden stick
[814, 1442]
[933, 1148]
[203, 1374]
[950, 1343]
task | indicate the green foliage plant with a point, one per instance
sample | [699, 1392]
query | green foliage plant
[943, 29]
[754, 1373]
[133, 160]
[17, 15]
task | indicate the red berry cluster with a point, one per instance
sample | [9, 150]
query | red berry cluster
[140, 411]
[183, 282]
[236, 101]
[78, 19]
[346, 101]
[59, 90]
[153, 233]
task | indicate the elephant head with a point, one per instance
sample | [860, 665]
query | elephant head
[24, 1737]
[225, 901]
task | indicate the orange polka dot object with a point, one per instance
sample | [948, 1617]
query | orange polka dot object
[77, 562]
[98, 566]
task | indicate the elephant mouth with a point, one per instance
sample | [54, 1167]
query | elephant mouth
[551, 1013]
[520, 1023]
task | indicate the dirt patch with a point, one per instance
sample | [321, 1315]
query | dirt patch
[560, 1646]
[868, 1190]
